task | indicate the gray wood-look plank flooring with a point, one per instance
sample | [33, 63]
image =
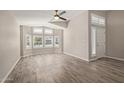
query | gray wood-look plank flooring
[60, 68]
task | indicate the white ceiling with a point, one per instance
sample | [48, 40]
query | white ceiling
[41, 17]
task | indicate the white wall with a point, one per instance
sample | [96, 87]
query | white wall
[9, 42]
[115, 34]
[76, 36]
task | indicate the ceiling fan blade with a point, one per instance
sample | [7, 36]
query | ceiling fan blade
[62, 18]
[63, 12]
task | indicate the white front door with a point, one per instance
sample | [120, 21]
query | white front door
[97, 42]
[100, 42]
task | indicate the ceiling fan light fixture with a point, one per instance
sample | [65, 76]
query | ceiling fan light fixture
[56, 17]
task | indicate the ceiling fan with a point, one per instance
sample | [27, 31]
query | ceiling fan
[59, 20]
[57, 15]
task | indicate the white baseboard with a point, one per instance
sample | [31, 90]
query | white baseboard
[10, 70]
[96, 58]
[29, 55]
[75, 56]
[93, 59]
[39, 54]
[116, 58]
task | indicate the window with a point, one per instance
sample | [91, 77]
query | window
[37, 37]
[97, 20]
[37, 31]
[37, 41]
[56, 41]
[48, 41]
[28, 41]
[48, 31]
[42, 38]
[48, 34]
[94, 19]
[102, 21]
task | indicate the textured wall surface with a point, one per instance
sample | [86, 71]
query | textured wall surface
[76, 36]
[115, 34]
[9, 42]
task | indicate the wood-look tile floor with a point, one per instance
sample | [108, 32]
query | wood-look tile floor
[60, 68]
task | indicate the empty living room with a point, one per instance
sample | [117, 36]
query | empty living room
[61, 46]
